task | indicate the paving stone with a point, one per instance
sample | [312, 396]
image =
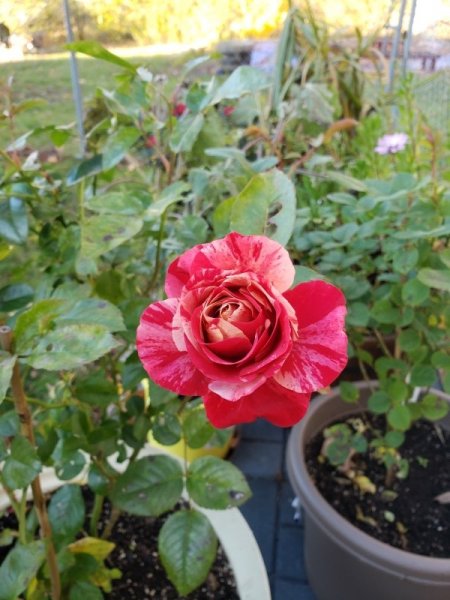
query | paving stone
[259, 459]
[286, 511]
[283, 589]
[289, 554]
[260, 513]
[262, 430]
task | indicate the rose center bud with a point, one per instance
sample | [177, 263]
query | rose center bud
[235, 324]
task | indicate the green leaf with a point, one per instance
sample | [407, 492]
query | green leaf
[216, 483]
[13, 221]
[7, 537]
[96, 50]
[191, 230]
[349, 183]
[83, 590]
[440, 360]
[170, 195]
[358, 314]
[186, 132]
[439, 279]
[66, 513]
[397, 391]
[19, 568]
[7, 363]
[118, 145]
[423, 376]
[36, 322]
[9, 424]
[197, 430]
[342, 198]
[433, 408]
[187, 548]
[379, 402]
[166, 429]
[349, 392]
[149, 487]
[405, 261]
[70, 347]
[409, 340]
[97, 481]
[14, 296]
[243, 80]
[22, 465]
[119, 203]
[68, 460]
[102, 233]
[95, 312]
[303, 274]
[96, 389]
[266, 206]
[228, 153]
[399, 418]
[444, 256]
[385, 364]
[414, 292]
[384, 312]
[221, 217]
[85, 168]
[394, 439]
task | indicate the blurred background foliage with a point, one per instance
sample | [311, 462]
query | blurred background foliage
[196, 22]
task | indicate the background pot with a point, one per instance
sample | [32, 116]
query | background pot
[342, 562]
[234, 534]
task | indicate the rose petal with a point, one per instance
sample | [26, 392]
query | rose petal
[270, 401]
[162, 360]
[235, 252]
[319, 354]
[234, 391]
[179, 272]
[255, 253]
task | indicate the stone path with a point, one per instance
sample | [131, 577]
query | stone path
[260, 454]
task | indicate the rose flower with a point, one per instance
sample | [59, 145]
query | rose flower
[232, 332]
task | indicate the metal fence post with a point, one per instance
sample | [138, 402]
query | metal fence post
[76, 88]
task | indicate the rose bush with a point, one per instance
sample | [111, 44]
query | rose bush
[232, 332]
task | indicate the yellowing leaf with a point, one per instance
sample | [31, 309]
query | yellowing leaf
[365, 485]
[99, 549]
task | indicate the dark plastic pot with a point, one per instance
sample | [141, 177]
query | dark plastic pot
[342, 562]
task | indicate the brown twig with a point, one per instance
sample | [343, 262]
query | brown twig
[26, 428]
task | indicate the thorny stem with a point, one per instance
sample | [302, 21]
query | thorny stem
[26, 427]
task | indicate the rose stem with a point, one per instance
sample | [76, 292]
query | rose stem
[26, 427]
[96, 512]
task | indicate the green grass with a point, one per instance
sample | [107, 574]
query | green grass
[48, 78]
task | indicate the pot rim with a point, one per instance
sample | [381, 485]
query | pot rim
[343, 532]
[233, 531]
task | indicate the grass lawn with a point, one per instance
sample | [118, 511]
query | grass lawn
[48, 77]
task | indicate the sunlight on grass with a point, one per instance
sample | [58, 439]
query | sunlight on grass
[47, 76]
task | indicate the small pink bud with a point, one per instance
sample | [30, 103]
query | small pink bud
[150, 142]
[228, 110]
[179, 109]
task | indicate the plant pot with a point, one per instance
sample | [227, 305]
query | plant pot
[231, 528]
[342, 562]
